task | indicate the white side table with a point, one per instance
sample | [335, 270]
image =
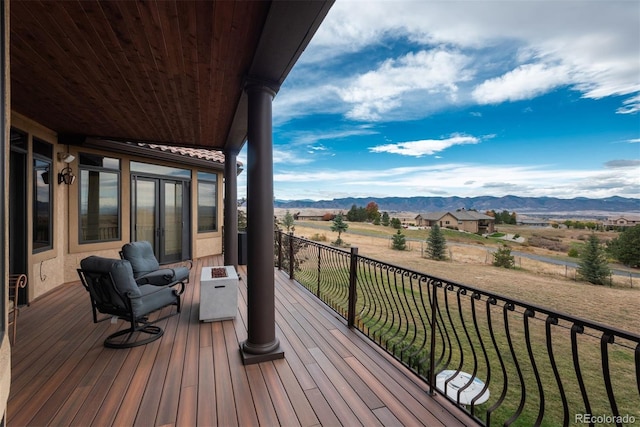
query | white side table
[459, 381]
[218, 295]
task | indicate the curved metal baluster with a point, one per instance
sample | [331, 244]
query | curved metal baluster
[407, 315]
[637, 352]
[366, 296]
[422, 313]
[579, 329]
[395, 326]
[565, 407]
[462, 291]
[385, 283]
[604, 351]
[476, 296]
[528, 313]
[444, 331]
[509, 306]
[380, 320]
[334, 294]
[505, 382]
[455, 333]
[319, 271]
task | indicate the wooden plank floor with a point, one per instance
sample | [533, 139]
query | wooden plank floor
[62, 374]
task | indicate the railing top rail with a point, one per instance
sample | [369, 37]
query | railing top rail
[491, 295]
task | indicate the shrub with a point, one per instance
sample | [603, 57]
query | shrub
[503, 258]
[328, 217]
[550, 243]
[573, 253]
[399, 241]
[319, 237]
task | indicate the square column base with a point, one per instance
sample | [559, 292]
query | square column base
[250, 358]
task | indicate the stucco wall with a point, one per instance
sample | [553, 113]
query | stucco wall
[51, 268]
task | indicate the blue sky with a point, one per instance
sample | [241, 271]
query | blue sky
[463, 98]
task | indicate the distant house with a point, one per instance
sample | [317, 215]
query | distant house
[471, 221]
[301, 217]
[533, 222]
[622, 221]
[313, 216]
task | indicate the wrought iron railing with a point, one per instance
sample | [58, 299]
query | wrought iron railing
[504, 361]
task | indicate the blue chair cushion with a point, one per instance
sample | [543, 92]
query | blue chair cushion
[153, 298]
[122, 275]
[164, 276]
[140, 255]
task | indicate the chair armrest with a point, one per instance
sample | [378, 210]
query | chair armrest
[155, 290]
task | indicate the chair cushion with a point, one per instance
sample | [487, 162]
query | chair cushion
[153, 298]
[121, 272]
[140, 255]
[164, 276]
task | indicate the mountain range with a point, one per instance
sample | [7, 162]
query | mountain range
[537, 205]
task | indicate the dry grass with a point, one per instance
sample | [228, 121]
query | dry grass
[535, 282]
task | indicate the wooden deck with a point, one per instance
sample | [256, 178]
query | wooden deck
[62, 374]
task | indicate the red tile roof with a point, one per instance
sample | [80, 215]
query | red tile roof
[198, 153]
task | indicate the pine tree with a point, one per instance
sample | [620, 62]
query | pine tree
[503, 258]
[385, 219]
[287, 221]
[626, 247]
[593, 266]
[399, 241]
[339, 226]
[436, 244]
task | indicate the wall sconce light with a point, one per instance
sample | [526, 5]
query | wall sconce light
[66, 157]
[66, 175]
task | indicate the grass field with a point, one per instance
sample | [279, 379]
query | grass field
[615, 306]
[535, 282]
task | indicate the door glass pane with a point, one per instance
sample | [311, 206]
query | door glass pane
[145, 200]
[172, 221]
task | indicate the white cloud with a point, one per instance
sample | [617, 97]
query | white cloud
[522, 49]
[376, 92]
[463, 180]
[630, 106]
[289, 157]
[525, 82]
[425, 147]
[308, 138]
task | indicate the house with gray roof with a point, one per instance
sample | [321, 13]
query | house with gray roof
[471, 221]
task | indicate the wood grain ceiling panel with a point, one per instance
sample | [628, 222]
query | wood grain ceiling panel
[161, 71]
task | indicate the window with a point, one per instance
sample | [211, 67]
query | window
[164, 171]
[43, 176]
[207, 196]
[99, 198]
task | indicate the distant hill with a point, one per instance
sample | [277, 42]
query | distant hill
[538, 205]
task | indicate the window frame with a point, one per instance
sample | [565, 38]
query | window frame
[208, 178]
[52, 177]
[82, 167]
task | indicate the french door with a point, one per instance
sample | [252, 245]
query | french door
[160, 215]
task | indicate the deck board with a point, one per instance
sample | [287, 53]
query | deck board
[193, 375]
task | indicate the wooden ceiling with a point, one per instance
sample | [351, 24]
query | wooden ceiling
[168, 71]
